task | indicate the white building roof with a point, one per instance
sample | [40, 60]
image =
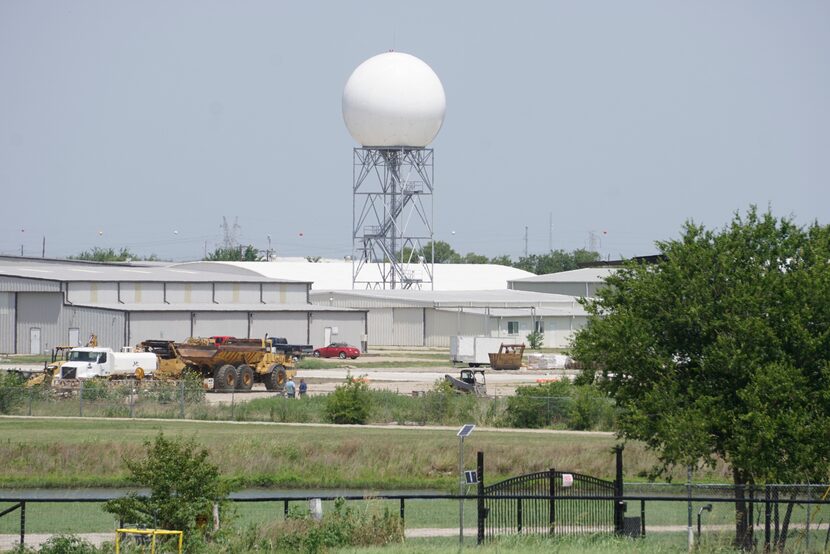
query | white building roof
[574, 309]
[337, 275]
[503, 298]
[585, 275]
[212, 307]
[74, 271]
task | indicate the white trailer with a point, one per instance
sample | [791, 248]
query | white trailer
[89, 362]
[474, 351]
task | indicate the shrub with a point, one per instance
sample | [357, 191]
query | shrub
[535, 339]
[343, 526]
[590, 409]
[67, 544]
[12, 391]
[183, 489]
[349, 403]
[539, 405]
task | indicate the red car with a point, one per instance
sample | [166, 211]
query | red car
[337, 349]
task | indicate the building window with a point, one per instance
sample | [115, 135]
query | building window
[539, 326]
[512, 327]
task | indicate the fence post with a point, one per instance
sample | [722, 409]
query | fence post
[31, 394]
[132, 404]
[81, 398]
[519, 515]
[551, 502]
[181, 400]
[767, 518]
[619, 508]
[22, 521]
[480, 496]
[403, 513]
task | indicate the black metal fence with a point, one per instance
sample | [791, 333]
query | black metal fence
[789, 518]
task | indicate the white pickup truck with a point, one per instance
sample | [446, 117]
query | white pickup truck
[89, 362]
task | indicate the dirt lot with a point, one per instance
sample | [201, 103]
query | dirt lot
[406, 380]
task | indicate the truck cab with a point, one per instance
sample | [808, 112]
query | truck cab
[89, 362]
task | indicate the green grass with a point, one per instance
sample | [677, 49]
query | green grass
[86, 452]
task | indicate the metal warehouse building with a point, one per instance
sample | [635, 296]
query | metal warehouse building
[48, 302]
[430, 318]
[578, 282]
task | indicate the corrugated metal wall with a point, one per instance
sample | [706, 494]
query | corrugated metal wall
[408, 326]
[350, 327]
[46, 312]
[142, 293]
[560, 330]
[284, 293]
[159, 325]
[291, 325]
[6, 322]
[14, 284]
[380, 327]
[93, 292]
[209, 324]
[442, 324]
[189, 293]
[237, 293]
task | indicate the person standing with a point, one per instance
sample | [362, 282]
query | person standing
[303, 388]
[290, 388]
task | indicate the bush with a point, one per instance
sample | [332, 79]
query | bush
[12, 391]
[539, 405]
[183, 489]
[343, 526]
[350, 403]
[65, 544]
[535, 340]
[591, 409]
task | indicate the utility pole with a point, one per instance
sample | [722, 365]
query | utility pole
[43, 252]
[525, 241]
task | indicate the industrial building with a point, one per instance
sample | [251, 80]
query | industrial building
[44, 303]
[430, 318]
[578, 282]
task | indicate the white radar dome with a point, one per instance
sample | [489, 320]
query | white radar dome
[394, 99]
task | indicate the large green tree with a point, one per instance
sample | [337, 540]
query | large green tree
[722, 350]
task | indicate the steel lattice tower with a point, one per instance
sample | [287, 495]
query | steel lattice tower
[392, 206]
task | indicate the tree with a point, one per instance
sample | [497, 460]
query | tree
[234, 254]
[721, 350]
[556, 261]
[109, 255]
[183, 485]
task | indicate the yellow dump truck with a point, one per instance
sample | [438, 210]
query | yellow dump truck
[235, 364]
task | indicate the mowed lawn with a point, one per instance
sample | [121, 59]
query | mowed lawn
[91, 452]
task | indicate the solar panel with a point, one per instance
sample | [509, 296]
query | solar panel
[466, 430]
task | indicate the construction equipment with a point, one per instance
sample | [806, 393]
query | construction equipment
[235, 364]
[469, 381]
[509, 356]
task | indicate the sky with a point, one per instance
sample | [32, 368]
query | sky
[599, 124]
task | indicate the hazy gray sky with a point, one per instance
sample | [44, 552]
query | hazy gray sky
[139, 119]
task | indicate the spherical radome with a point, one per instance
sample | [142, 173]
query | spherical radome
[394, 99]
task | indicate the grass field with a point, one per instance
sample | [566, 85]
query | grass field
[89, 452]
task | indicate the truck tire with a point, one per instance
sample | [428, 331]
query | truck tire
[275, 378]
[224, 379]
[244, 377]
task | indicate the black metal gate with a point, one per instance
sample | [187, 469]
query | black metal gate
[550, 502]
